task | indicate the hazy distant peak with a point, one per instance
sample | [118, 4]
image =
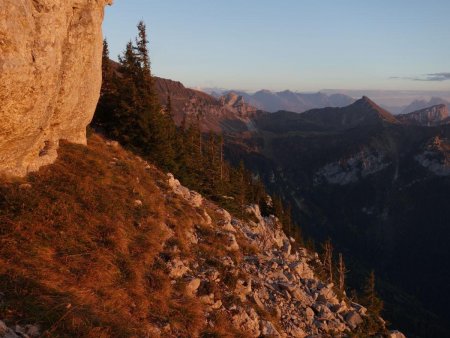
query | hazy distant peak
[423, 104]
[264, 91]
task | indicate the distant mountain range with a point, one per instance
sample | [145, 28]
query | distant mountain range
[291, 101]
[396, 102]
[236, 111]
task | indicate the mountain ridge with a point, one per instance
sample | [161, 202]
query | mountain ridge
[267, 100]
[429, 116]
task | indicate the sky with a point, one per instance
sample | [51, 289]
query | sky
[301, 45]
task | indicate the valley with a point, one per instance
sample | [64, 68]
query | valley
[374, 183]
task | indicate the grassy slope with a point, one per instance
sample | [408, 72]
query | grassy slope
[79, 258]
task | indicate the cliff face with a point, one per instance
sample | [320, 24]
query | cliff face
[238, 103]
[50, 77]
[228, 113]
[431, 116]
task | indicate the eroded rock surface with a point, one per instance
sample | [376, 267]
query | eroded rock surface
[50, 77]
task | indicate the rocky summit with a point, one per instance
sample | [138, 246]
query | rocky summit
[50, 76]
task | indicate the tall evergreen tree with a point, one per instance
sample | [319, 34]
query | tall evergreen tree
[370, 298]
[108, 96]
[142, 48]
[328, 259]
[342, 270]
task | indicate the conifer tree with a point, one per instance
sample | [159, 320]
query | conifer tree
[328, 259]
[242, 191]
[142, 48]
[277, 206]
[287, 219]
[103, 119]
[370, 298]
[341, 271]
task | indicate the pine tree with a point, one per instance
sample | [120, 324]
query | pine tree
[221, 157]
[106, 64]
[242, 187]
[103, 117]
[287, 220]
[278, 207]
[142, 48]
[134, 115]
[371, 301]
[328, 259]
[169, 110]
[342, 271]
[374, 305]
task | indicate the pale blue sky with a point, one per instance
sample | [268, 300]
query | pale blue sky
[291, 44]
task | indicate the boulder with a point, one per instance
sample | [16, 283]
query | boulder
[353, 319]
[286, 248]
[217, 305]
[6, 332]
[191, 236]
[243, 288]
[177, 268]
[192, 197]
[192, 286]
[232, 244]
[309, 315]
[358, 307]
[247, 322]
[396, 334]
[50, 77]
[207, 219]
[302, 269]
[27, 331]
[137, 203]
[267, 329]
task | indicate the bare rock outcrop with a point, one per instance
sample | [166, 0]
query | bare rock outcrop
[259, 272]
[50, 77]
[431, 116]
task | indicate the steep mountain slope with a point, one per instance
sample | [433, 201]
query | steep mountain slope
[102, 244]
[377, 187]
[363, 112]
[229, 113]
[362, 177]
[430, 116]
[296, 102]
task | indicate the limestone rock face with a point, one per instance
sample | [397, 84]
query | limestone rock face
[50, 77]
[431, 116]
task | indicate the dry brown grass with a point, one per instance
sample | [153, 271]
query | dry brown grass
[79, 258]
